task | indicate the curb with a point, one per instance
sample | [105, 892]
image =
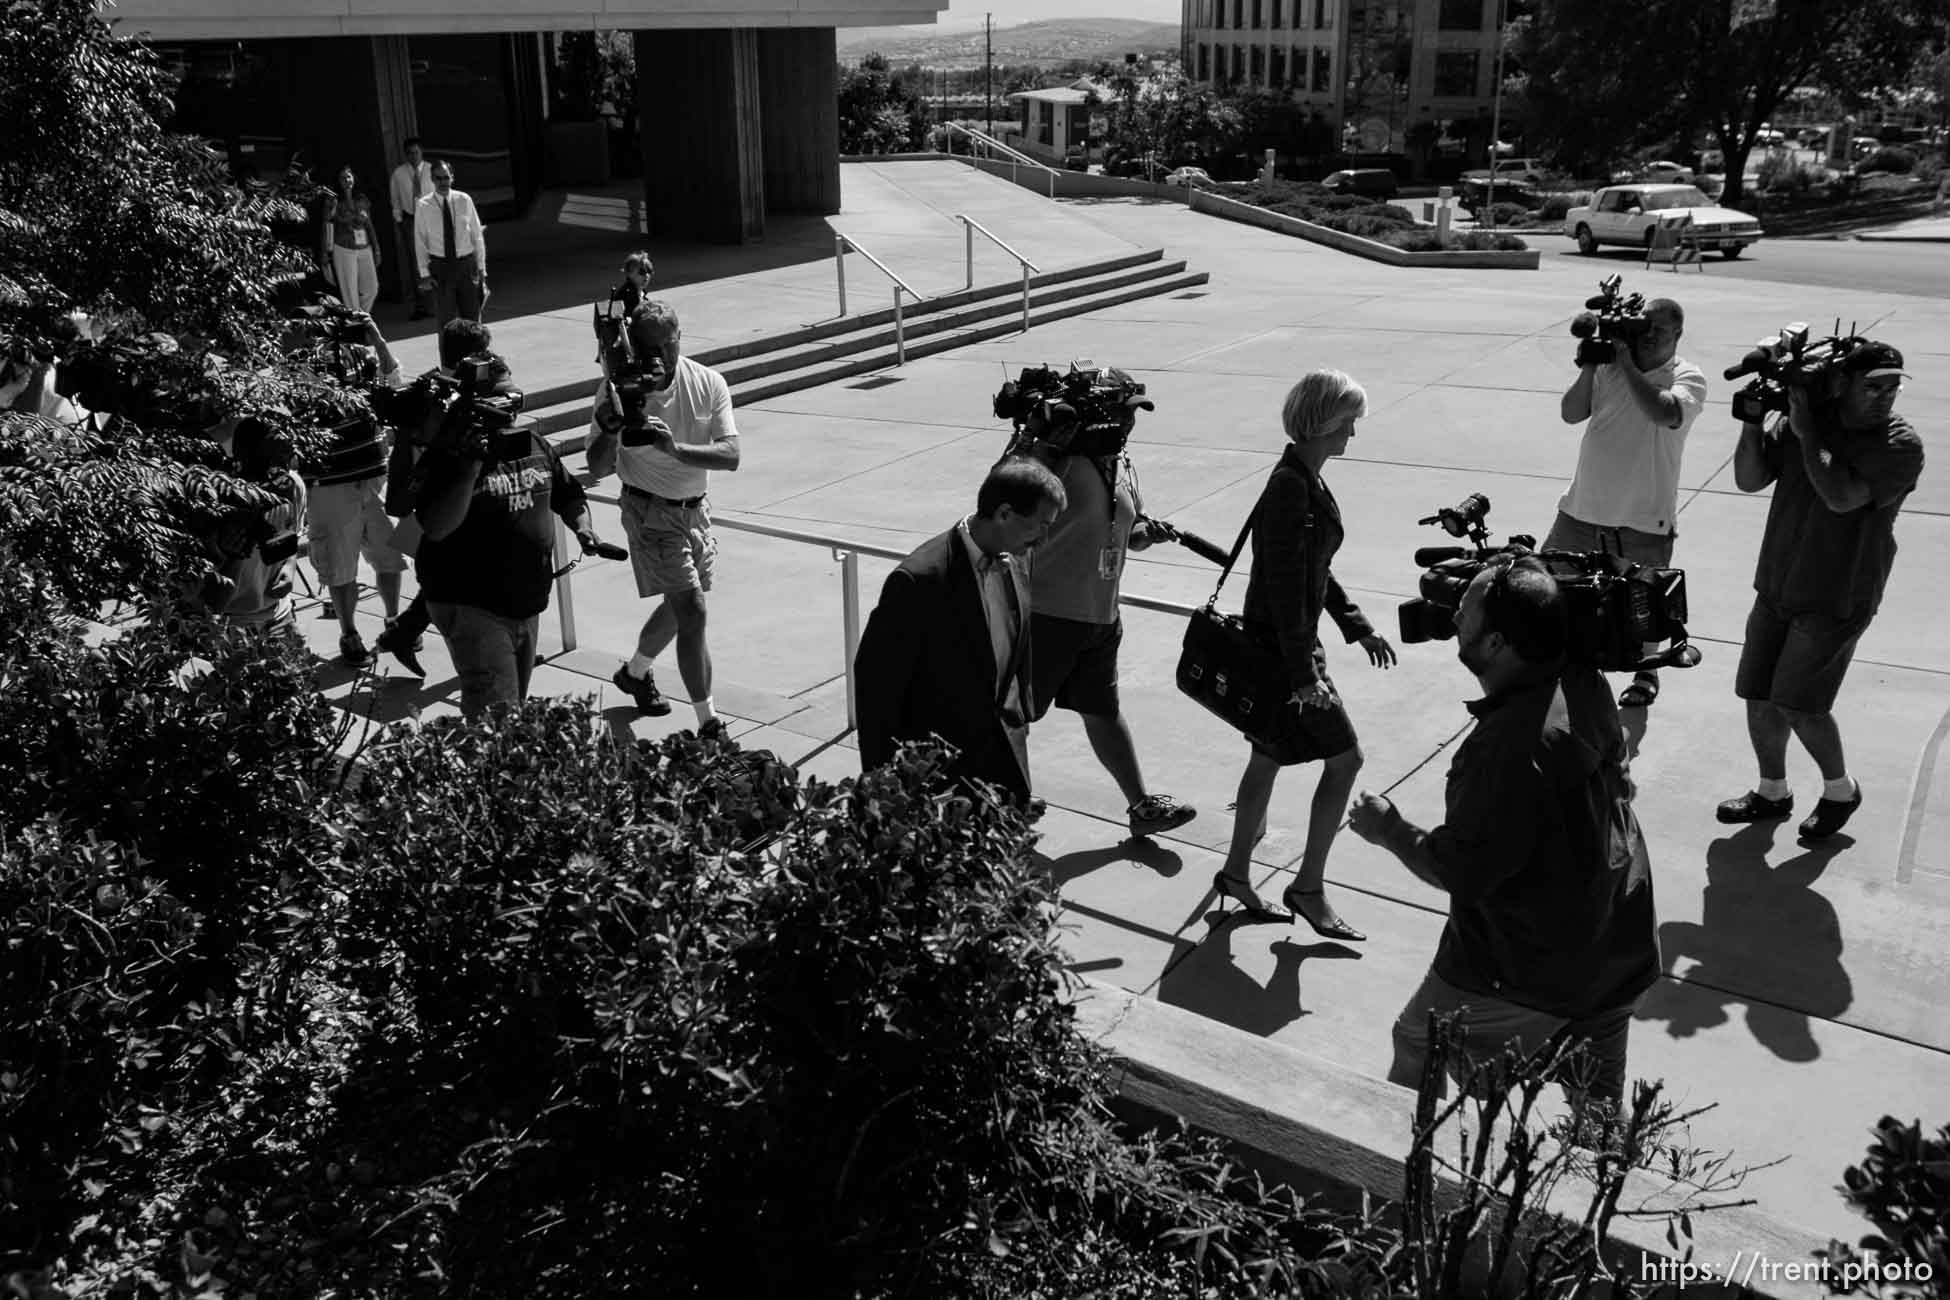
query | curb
[1332, 1132]
[1900, 239]
[1475, 259]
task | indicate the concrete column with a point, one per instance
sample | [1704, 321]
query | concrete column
[703, 169]
[799, 127]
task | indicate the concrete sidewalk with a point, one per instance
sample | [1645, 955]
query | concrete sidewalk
[1808, 991]
[1920, 230]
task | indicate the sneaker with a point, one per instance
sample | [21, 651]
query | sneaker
[643, 690]
[352, 650]
[1157, 813]
[1755, 807]
[396, 645]
[1829, 816]
[715, 729]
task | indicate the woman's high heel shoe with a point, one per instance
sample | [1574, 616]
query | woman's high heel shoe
[1229, 886]
[1335, 929]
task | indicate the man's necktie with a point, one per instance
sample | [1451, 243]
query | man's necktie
[447, 224]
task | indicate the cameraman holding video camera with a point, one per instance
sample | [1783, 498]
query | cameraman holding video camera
[255, 549]
[662, 422]
[483, 490]
[1074, 622]
[1551, 925]
[1637, 399]
[1841, 464]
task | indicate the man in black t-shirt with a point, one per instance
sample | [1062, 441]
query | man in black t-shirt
[486, 560]
[1841, 464]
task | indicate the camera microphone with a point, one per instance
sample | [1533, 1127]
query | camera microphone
[1428, 557]
[1749, 364]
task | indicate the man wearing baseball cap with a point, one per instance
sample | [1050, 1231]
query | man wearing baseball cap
[1075, 626]
[1841, 464]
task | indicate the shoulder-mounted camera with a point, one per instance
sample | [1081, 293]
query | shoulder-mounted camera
[1609, 319]
[1613, 607]
[1788, 359]
[1084, 411]
[459, 414]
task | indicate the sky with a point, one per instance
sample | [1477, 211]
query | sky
[961, 15]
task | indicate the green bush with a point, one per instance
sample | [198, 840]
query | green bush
[1555, 206]
[1901, 161]
[1902, 1186]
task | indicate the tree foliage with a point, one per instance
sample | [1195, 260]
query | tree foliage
[881, 111]
[1606, 79]
[129, 259]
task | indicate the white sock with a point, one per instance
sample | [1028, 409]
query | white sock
[639, 666]
[1841, 789]
[705, 710]
[1770, 789]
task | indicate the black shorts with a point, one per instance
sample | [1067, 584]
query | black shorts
[1073, 665]
[1312, 733]
[1795, 661]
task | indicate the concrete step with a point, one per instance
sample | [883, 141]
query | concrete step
[811, 352]
[583, 386]
[565, 420]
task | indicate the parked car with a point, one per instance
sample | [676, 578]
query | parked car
[1626, 214]
[1660, 171]
[1188, 176]
[1530, 170]
[1474, 195]
[1369, 182]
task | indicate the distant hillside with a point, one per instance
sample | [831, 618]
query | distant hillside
[1048, 42]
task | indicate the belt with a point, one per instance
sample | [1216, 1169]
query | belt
[685, 503]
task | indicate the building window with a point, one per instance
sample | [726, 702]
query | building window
[1277, 24]
[1460, 16]
[1238, 14]
[1323, 82]
[1259, 15]
[1219, 14]
[1238, 64]
[1323, 16]
[1455, 72]
[1259, 65]
[1276, 68]
[1046, 123]
[1205, 63]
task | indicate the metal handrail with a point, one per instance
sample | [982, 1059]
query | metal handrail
[1015, 157]
[841, 244]
[848, 552]
[1027, 265]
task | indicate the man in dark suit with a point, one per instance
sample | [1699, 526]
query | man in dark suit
[946, 651]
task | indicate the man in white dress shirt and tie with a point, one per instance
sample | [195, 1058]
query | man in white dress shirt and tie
[412, 181]
[449, 248]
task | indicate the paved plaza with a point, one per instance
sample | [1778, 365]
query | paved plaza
[1808, 990]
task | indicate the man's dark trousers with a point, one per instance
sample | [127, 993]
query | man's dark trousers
[456, 288]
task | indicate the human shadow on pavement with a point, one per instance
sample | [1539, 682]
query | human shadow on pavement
[1144, 852]
[1765, 939]
[1205, 978]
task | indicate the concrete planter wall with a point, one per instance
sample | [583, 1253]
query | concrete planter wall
[1373, 250]
[1331, 1132]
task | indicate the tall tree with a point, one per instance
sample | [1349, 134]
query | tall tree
[1606, 77]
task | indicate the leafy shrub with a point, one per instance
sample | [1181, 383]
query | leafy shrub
[1483, 239]
[1901, 161]
[1557, 205]
[1902, 1186]
[1512, 214]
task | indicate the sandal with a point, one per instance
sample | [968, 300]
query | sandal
[1229, 886]
[1335, 929]
[1639, 695]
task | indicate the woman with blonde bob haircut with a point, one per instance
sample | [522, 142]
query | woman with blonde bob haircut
[1296, 530]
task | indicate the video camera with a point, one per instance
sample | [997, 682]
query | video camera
[1607, 321]
[459, 415]
[232, 514]
[1614, 607]
[1080, 412]
[631, 378]
[1789, 359]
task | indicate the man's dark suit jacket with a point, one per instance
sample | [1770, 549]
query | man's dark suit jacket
[926, 667]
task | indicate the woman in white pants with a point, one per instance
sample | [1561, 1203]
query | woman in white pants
[351, 253]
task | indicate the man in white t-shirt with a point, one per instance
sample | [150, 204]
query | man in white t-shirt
[1624, 497]
[663, 444]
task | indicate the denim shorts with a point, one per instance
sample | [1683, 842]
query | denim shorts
[493, 656]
